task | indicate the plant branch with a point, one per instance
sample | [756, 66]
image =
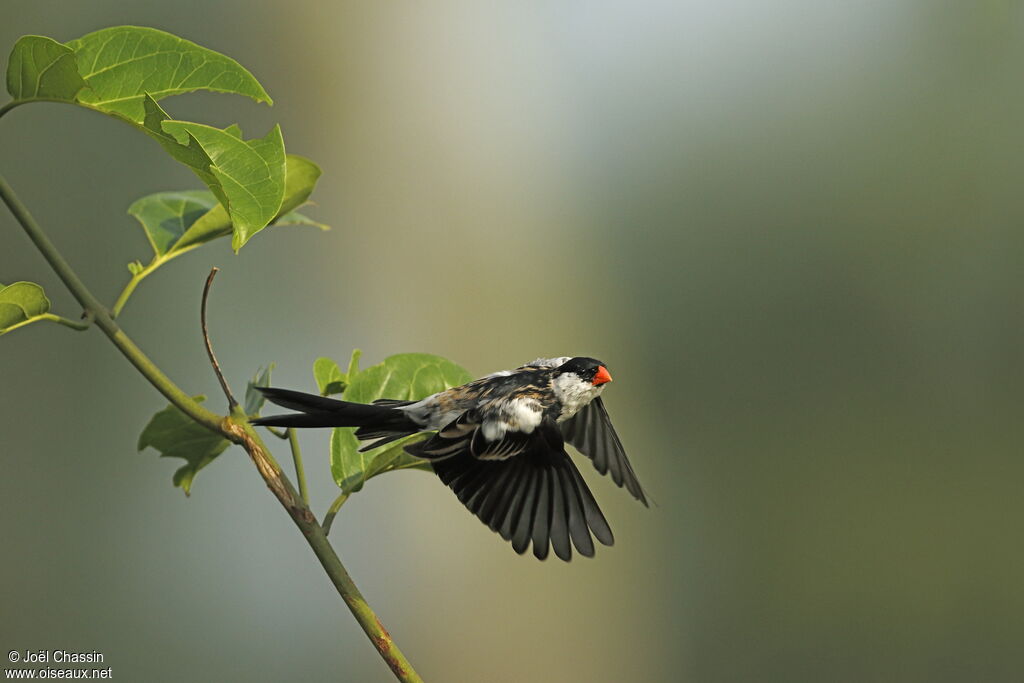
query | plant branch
[240, 431]
[235, 427]
[232, 403]
[93, 307]
[333, 511]
[300, 470]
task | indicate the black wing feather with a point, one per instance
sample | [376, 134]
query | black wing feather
[578, 529]
[536, 497]
[490, 509]
[559, 516]
[542, 515]
[591, 432]
[523, 519]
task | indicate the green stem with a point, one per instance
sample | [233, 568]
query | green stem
[277, 432]
[122, 299]
[103, 320]
[83, 325]
[240, 431]
[9, 106]
[138, 277]
[17, 103]
[236, 428]
[300, 472]
[333, 511]
[73, 324]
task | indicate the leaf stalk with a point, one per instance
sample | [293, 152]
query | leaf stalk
[332, 512]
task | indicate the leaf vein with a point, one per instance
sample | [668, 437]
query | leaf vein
[130, 60]
[39, 78]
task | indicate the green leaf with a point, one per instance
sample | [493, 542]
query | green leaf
[124, 63]
[300, 178]
[21, 303]
[348, 465]
[328, 376]
[254, 400]
[301, 175]
[175, 222]
[176, 435]
[188, 151]
[42, 68]
[123, 71]
[407, 376]
[353, 362]
[250, 175]
[296, 218]
[394, 457]
[166, 216]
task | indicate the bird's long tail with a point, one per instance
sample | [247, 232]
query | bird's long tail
[320, 411]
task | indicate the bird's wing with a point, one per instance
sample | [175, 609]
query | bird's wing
[535, 496]
[591, 432]
[466, 433]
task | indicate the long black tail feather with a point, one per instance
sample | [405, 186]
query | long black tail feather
[320, 411]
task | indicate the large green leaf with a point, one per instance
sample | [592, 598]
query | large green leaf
[175, 222]
[407, 376]
[42, 68]
[250, 174]
[21, 303]
[188, 151]
[123, 63]
[123, 71]
[176, 435]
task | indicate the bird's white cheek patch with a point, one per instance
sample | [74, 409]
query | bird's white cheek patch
[574, 393]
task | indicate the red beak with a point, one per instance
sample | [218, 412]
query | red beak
[602, 376]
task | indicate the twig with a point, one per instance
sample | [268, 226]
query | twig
[300, 471]
[232, 403]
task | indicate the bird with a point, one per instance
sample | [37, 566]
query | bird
[499, 443]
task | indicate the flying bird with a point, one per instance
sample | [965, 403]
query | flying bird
[499, 444]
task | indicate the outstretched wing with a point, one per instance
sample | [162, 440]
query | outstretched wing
[591, 432]
[536, 495]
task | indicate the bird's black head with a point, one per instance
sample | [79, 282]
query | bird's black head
[589, 369]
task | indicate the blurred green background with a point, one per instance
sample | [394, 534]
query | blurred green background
[793, 230]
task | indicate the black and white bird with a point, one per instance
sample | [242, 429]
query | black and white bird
[500, 446]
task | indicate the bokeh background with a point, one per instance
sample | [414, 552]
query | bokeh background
[792, 229]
